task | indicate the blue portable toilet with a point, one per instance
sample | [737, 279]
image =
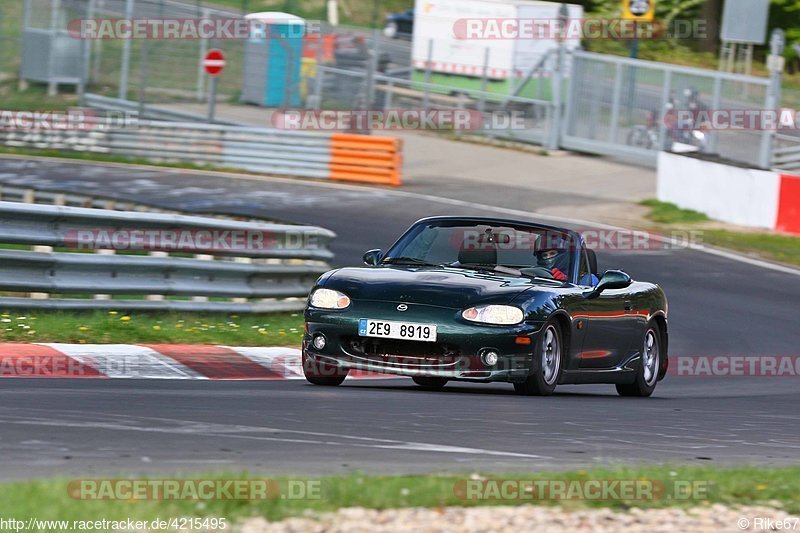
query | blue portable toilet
[272, 59]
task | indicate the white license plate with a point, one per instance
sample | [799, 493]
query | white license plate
[396, 330]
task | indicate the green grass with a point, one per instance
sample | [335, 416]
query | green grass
[667, 213]
[34, 98]
[772, 246]
[102, 327]
[110, 158]
[49, 499]
[781, 248]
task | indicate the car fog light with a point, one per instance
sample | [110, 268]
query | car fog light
[319, 342]
[490, 358]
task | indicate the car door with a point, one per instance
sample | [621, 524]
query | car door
[609, 324]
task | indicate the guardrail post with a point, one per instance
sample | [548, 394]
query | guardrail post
[246, 260]
[202, 257]
[156, 297]
[103, 251]
[42, 250]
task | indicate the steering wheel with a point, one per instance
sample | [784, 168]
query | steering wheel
[538, 271]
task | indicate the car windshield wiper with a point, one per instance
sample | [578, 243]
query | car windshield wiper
[500, 269]
[408, 261]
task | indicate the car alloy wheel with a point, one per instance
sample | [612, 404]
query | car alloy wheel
[650, 357]
[543, 378]
[649, 366]
[551, 355]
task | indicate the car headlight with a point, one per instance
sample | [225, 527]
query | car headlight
[329, 299]
[504, 315]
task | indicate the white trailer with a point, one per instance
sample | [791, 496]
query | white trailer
[443, 39]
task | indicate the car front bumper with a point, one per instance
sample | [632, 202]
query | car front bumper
[456, 354]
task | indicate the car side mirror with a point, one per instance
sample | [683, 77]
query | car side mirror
[612, 279]
[373, 257]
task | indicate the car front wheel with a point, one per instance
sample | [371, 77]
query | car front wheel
[647, 373]
[322, 373]
[430, 383]
[548, 354]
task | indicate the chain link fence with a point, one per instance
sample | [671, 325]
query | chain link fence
[599, 103]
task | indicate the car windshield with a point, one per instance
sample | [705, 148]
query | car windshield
[486, 246]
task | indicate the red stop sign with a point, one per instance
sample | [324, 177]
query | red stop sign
[214, 62]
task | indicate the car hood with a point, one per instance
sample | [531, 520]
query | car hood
[444, 287]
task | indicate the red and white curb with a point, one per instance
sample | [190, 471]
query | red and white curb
[152, 361]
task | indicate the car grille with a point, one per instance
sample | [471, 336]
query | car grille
[402, 351]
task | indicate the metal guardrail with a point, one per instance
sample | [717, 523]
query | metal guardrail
[11, 193]
[786, 152]
[148, 111]
[262, 267]
[336, 156]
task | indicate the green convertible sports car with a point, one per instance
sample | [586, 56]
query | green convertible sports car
[482, 300]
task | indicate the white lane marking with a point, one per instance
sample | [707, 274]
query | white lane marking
[449, 201]
[126, 361]
[285, 362]
[183, 427]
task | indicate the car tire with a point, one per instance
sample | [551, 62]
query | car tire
[549, 353]
[647, 372]
[429, 383]
[323, 374]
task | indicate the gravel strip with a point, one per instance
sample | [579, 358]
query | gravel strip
[713, 518]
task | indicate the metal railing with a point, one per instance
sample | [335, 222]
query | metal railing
[337, 156]
[221, 265]
[142, 110]
[786, 152]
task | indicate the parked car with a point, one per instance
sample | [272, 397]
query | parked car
[399, 24]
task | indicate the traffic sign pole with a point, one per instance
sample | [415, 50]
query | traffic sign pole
[212, 99]
[213, 64]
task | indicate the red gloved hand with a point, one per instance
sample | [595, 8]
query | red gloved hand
[560, 276]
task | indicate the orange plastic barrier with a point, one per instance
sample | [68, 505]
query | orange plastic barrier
[366, 159]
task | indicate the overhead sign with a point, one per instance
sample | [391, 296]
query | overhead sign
[642, 10]
[214, 62]
[745, 21]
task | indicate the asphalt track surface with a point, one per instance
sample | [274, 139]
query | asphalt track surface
[717, 307]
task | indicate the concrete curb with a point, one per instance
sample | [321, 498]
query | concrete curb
[153, 361]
